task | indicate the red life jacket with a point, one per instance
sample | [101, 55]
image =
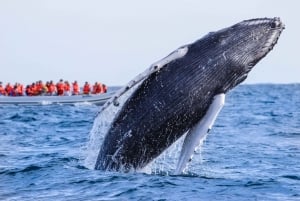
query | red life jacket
[75, 89]
[86, 89]
[60, 88]
[2, 91]
[9, 90]
[51, 88]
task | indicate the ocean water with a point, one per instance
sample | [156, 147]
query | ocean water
[252, 153]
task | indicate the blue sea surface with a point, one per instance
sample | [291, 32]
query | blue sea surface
[252, 153]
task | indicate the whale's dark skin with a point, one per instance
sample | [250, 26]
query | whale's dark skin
[173, 99]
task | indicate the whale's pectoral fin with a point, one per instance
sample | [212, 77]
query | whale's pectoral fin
[197, 134]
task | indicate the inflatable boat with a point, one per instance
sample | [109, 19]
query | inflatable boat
[97, 99]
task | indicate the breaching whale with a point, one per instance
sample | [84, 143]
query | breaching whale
[180, 94]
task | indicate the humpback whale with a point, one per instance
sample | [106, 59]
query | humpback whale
[180, 94]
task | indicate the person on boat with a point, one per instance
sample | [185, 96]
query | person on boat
[21, 91]
[67, 89]
[18, 90]
[34, 89]
[2, 90]
[60, 88]
[51, 88]
[47, 86]
[41, 88]
[44, 90]
[75, 88]
[97, 88]
[9, 89]
[104, 87]
[86, 88]
[28, 91]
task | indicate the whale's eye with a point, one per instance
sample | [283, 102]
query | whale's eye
[251, 64]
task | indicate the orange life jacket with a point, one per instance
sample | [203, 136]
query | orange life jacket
[28, 91]
[75, 89]
[67, 87]
[95, 89]
[18, 91]
[51, 88]
[99, 88]
[38, 88]
[34, 90]
[60, 88]
[86, 89]
[2, 91]
[9, 89]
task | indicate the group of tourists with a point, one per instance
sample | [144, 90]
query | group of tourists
[61, 88]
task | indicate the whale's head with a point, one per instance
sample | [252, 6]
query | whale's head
[241, 46]
[253, 40]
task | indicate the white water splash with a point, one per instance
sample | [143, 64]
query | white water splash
[46, 102]
[102, 124]
[166, 163]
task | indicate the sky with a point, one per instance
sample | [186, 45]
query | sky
[113, 41]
